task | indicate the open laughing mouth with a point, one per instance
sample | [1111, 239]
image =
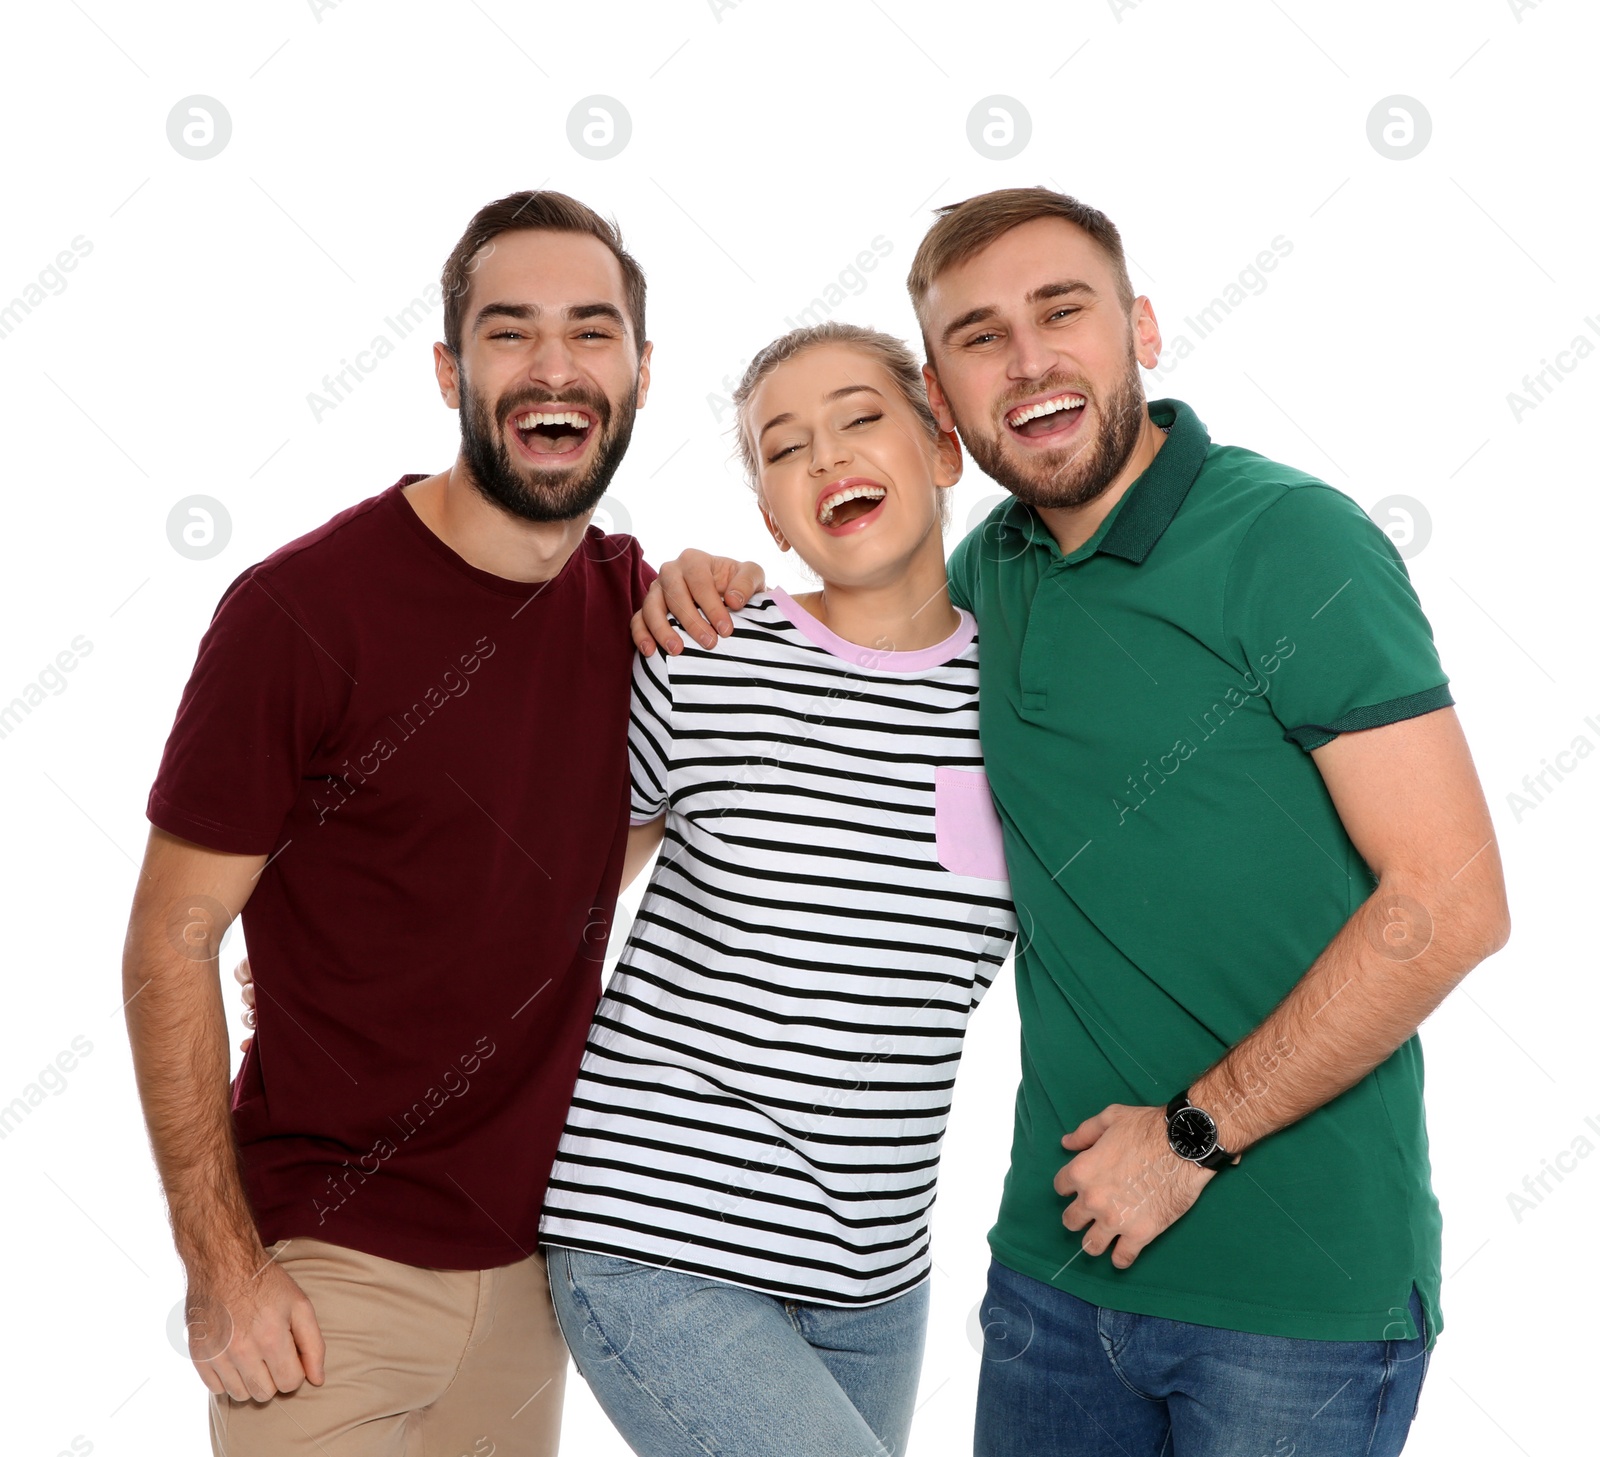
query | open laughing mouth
[1048, 421]
[849, 505]
[553, 436]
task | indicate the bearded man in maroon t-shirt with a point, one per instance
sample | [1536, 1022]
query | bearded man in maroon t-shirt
[402, 753]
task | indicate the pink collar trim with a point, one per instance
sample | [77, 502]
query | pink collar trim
[864, 657]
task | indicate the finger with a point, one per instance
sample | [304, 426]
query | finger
[247, 994]
[283, 1362]
[693, 587]
[241, 972]
[1076, 1217]
[654, 614]
[641, 635]
[308, 1339]
[747, 581]
[1063, 1183]
[1085, 1133]
[1098, 1240]
[208, 1374]
[255, 1375]
[1127, 1251]
[227, 1373]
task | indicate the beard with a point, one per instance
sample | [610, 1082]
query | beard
[1077, 473]
[527, 491]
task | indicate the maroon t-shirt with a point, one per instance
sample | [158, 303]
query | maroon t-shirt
[436, 760]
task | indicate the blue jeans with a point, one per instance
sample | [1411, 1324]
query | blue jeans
[686, 1366]
[1071, 1379]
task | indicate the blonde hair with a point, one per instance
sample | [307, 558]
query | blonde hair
[897, 360]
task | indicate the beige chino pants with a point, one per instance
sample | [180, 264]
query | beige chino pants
[421, 1363]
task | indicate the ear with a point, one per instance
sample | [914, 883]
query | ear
[644, 374]
[948, 466]
[1146, 333]
[941, 406]
[777, 533]
[447, 372]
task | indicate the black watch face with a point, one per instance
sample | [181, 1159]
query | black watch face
[1191, 1133]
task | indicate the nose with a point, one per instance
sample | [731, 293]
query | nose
[551, 363]
[829, 451]
[1032, 355]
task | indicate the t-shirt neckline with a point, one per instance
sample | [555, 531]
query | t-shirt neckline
[918, 660]
[504, 586]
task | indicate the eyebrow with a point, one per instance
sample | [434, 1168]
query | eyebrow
[1061, 288]
[828, 398]
[575, 312]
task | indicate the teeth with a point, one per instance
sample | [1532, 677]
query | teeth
[850, 493]
[1045, 407]
[536, 418]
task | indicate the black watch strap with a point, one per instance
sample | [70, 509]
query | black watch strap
[1219, 1158]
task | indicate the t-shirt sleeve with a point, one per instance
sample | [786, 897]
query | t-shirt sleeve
[962, 568]
[251, 716]
[643, 575]
[650, 736]
[1319, 603]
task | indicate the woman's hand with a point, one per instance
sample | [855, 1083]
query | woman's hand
[247, 994]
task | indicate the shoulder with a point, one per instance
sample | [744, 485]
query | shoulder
[322, 556]
[1272, 508]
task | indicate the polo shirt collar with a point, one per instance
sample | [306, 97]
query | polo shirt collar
[1149, 504]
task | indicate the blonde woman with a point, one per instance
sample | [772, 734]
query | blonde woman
[737, 1221]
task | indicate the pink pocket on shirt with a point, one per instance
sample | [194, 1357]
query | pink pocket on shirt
[966, 829]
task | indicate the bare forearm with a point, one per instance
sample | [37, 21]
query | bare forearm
[187, 897]
[1388, 968]
[178, 1031]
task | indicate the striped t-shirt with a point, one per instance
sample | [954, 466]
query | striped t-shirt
[768, 1076]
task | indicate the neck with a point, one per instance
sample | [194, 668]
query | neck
[903, 616]
[487, 537]
[1073, 525]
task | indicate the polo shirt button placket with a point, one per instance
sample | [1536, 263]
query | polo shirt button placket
[1039, 641]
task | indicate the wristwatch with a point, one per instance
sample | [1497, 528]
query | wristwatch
[1192, 1134]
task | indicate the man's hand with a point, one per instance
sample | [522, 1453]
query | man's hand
[698, 590]
[1129, 1184]
[253, 1335]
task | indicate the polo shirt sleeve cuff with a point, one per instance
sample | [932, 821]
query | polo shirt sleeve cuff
[1412, 705]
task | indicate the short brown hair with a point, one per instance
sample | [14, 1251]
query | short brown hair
[890, 352]
[553, 212]
[965, 229]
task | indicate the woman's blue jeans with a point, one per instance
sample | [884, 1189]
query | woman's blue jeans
[686, 1366]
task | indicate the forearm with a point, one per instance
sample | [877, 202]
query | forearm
[178, 1032]
[1373, 985]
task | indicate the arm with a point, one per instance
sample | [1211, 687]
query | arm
[1410, 801]
[252, 1332]
[698, 590]
[643, 841]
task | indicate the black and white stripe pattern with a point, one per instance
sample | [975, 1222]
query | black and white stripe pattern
[768, 1077]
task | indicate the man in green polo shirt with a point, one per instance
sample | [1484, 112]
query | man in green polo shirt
[1249, 854]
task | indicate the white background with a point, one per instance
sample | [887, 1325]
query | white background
[770, 144]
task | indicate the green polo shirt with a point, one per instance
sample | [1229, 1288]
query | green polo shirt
[1148, 704]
